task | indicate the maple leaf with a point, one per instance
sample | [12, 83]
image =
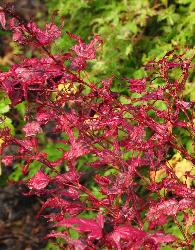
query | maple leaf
[136, 238]
[68, 177]
[87, 51]
[91, 226]
[126, 232]
[39, 181]
[51, 33]
[32, 34]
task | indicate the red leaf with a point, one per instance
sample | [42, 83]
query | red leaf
[72, 207]
[184, 105]
[137, 85]
[87, 51]
[67, 178]
[137, 238]
[32, 128]
[127, 233]
[91, 226]
[43, 116]
[77, 150]
[158, 213]
[78, 63]
[34, 35]
[39, 181]
[163, 238]
[102, 180]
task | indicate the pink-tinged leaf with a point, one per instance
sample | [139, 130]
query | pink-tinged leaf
[136, 238]
[184, 105]
[126, 233]
[44, 116]
[78, 149]
[70, 177]
[73, 208]
[181, 124]
[32, 128]
[100, 220]
[2, 18]
[39, 181]
[18, 36]
[163, 238]
[185, 203]
[55, 202]
[52, 32]
[33, 35]
[102, 180]
[45, 37]
[178, 189]
[137, 85]
[35, 70]
[71, 193]
[12, 23]
[87, 51]
[91, 226]
[78, 64]
[158, 213]
[156, 95]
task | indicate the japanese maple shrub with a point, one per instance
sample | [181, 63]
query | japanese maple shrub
[115, 157]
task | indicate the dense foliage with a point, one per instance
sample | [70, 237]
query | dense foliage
[110, 182]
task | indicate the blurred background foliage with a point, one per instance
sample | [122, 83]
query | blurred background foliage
[134, 32]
